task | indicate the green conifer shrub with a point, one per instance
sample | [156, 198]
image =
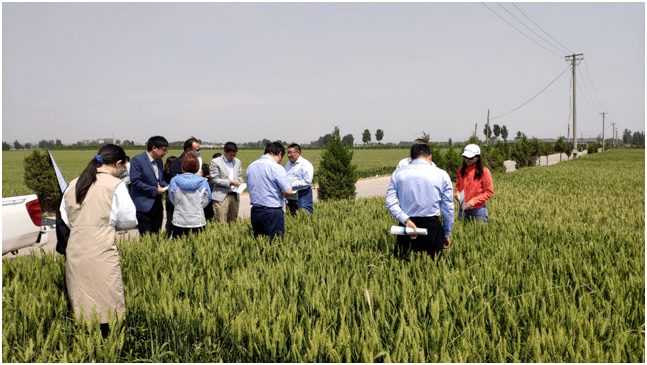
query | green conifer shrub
[337, 174]
[41, 178]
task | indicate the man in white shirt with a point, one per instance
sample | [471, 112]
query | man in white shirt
[300, 173]
[407, 160]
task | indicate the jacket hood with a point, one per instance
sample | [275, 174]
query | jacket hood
[189, 182]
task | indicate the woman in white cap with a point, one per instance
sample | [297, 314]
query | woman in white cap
[475, 182]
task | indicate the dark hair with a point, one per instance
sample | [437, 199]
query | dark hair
[127, 158]
[190, 163]
[275, 148]
[205, 169]
[157, 142]
[479, 168]
[168, 163]
[215, 155]
[231, 147]
[188, 144]
[420, 150]
[110, 154]
[295, 146]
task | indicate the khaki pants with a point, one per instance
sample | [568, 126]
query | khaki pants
[226, 210]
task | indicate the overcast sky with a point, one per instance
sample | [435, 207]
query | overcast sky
[293, 71]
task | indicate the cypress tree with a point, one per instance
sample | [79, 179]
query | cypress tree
[337, 174]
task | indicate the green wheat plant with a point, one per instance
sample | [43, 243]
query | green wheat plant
[557, 275]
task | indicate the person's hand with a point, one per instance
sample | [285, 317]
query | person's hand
[160, 191]
[446, 243]
[469, 205]
[234, 182]
[241, 180]
[199, 173]
[456, 197]
[412, 225]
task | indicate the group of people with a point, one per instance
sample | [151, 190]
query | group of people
[101, 201]
[419, 192]
[196, 192]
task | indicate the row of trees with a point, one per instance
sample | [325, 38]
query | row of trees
[636, 140]
[366, 136]
[27, 146]
[498, 131]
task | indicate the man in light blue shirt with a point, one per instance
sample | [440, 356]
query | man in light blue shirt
[267, 184]
[300, 173]
[416, 196]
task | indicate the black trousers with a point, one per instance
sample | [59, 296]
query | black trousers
[170, 208]
[432, 243]
[267, 221]
[151, 221]
[182, 231]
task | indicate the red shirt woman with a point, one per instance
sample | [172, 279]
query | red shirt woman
[475, 181]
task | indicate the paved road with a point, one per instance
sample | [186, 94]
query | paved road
[375, 186]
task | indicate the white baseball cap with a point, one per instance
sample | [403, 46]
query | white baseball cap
[471, 150]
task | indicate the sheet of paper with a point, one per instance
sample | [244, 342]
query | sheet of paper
[461, 199]
[241, 187]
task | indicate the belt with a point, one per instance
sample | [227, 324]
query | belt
[264, 208]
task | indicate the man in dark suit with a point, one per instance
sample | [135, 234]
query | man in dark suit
[147, 185]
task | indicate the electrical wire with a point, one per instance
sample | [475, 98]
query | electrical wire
[560, 75]
[587, 91]
[542, 38]
[522, 32]
[571, 52]
[596, 94]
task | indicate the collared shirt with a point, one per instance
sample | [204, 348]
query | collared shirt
[300, 173]
[266, 182]
[230, 164]
[152, 161]
[405, 161]
[423, 190]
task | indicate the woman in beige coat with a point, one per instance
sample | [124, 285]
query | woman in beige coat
[94, 206]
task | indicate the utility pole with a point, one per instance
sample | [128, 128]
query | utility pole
[487, 129]
[573, 59]
[603, 113]
[613, 134]
[475, 128]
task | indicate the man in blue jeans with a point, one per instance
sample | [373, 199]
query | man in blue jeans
[300, 173]
[268, 184]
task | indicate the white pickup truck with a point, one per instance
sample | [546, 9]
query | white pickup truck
[21, 223]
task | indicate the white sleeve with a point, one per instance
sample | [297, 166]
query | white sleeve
[123, 214]
[63, 210]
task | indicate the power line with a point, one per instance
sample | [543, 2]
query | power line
[596, 94]
[587, 90]
[521, 32]
[560, 75]
[569, 51]
[559, 50]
